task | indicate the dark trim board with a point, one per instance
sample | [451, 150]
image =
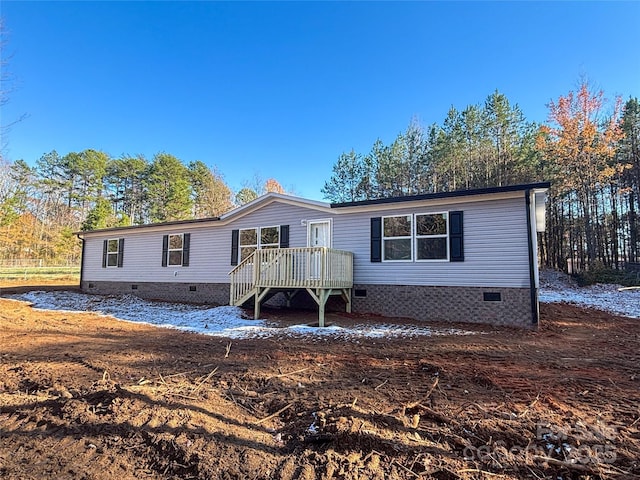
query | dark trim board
[456, 193]
[535, 307]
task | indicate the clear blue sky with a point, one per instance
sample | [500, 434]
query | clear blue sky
[282, 89]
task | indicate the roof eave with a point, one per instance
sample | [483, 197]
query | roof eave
[539, 186]
[147, 225]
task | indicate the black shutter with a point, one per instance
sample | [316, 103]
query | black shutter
[284, 236]
[120, 252]
[186, 243]
[104, 253]
[376, 239]
[165, 249]
[456, 240]
[235, 235]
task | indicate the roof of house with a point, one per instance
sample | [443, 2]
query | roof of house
[273, 197]
[455, 193]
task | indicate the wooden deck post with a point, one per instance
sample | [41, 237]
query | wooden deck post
[346, 296]
[324, 294]
[256, 305]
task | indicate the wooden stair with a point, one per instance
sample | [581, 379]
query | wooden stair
[320, 271]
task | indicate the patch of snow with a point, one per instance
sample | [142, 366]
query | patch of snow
[226, 321]
[556, 287]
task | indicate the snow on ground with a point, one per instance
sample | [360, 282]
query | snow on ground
[230, 322]
[225, 321]
[556, 287]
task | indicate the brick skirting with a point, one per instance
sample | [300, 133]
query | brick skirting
[496, 306]
[213, 293]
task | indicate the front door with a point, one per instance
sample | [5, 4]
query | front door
[319, 235]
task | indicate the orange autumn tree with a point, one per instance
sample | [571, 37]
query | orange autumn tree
[579, 142]
[272, 185]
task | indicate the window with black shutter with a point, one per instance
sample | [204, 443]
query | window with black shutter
[112, 252]
[421, 237]
[176, 249]
[247, 240]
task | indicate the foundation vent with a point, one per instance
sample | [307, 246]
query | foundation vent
[492, 296]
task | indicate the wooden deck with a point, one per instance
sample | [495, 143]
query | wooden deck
[320, 271]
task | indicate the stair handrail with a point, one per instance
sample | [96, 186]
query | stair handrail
[241, 286]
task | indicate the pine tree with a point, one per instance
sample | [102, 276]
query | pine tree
[346, 182]
[168, 188]
[211, 195]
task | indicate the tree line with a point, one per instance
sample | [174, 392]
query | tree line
[41, 206]
[589, 149]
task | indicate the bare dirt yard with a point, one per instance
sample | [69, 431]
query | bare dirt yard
[84, 396]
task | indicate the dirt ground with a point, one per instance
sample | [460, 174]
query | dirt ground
[89, 397]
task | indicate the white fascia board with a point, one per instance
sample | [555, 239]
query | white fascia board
[270, 198]
[173, 228]
[204, 223]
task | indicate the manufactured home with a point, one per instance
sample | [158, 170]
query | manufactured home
[462, 256]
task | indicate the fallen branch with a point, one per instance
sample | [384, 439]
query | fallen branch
[383, 383]
[484, 472]
[289, 373]
[411, 405]
[530, 406]
[197, 387]
[228, 349]
[406, 469]
[275, 414]
[436, 416]
[190, 371]
[570, 466]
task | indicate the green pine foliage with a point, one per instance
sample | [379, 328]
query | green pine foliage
[42, 206]
[594, 202]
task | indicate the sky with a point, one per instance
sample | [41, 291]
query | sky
[281, 89]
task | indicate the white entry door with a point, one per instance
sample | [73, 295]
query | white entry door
[319, 235]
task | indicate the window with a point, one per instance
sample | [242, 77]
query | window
[175, 250]
[112, 252]
[431, 237]
[419, 237]
[251, 239]
[248, 242]
[269, 237]
[396, 238]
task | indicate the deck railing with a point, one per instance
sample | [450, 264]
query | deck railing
[310, 267]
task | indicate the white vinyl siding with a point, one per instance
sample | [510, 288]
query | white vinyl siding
[495, 246]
